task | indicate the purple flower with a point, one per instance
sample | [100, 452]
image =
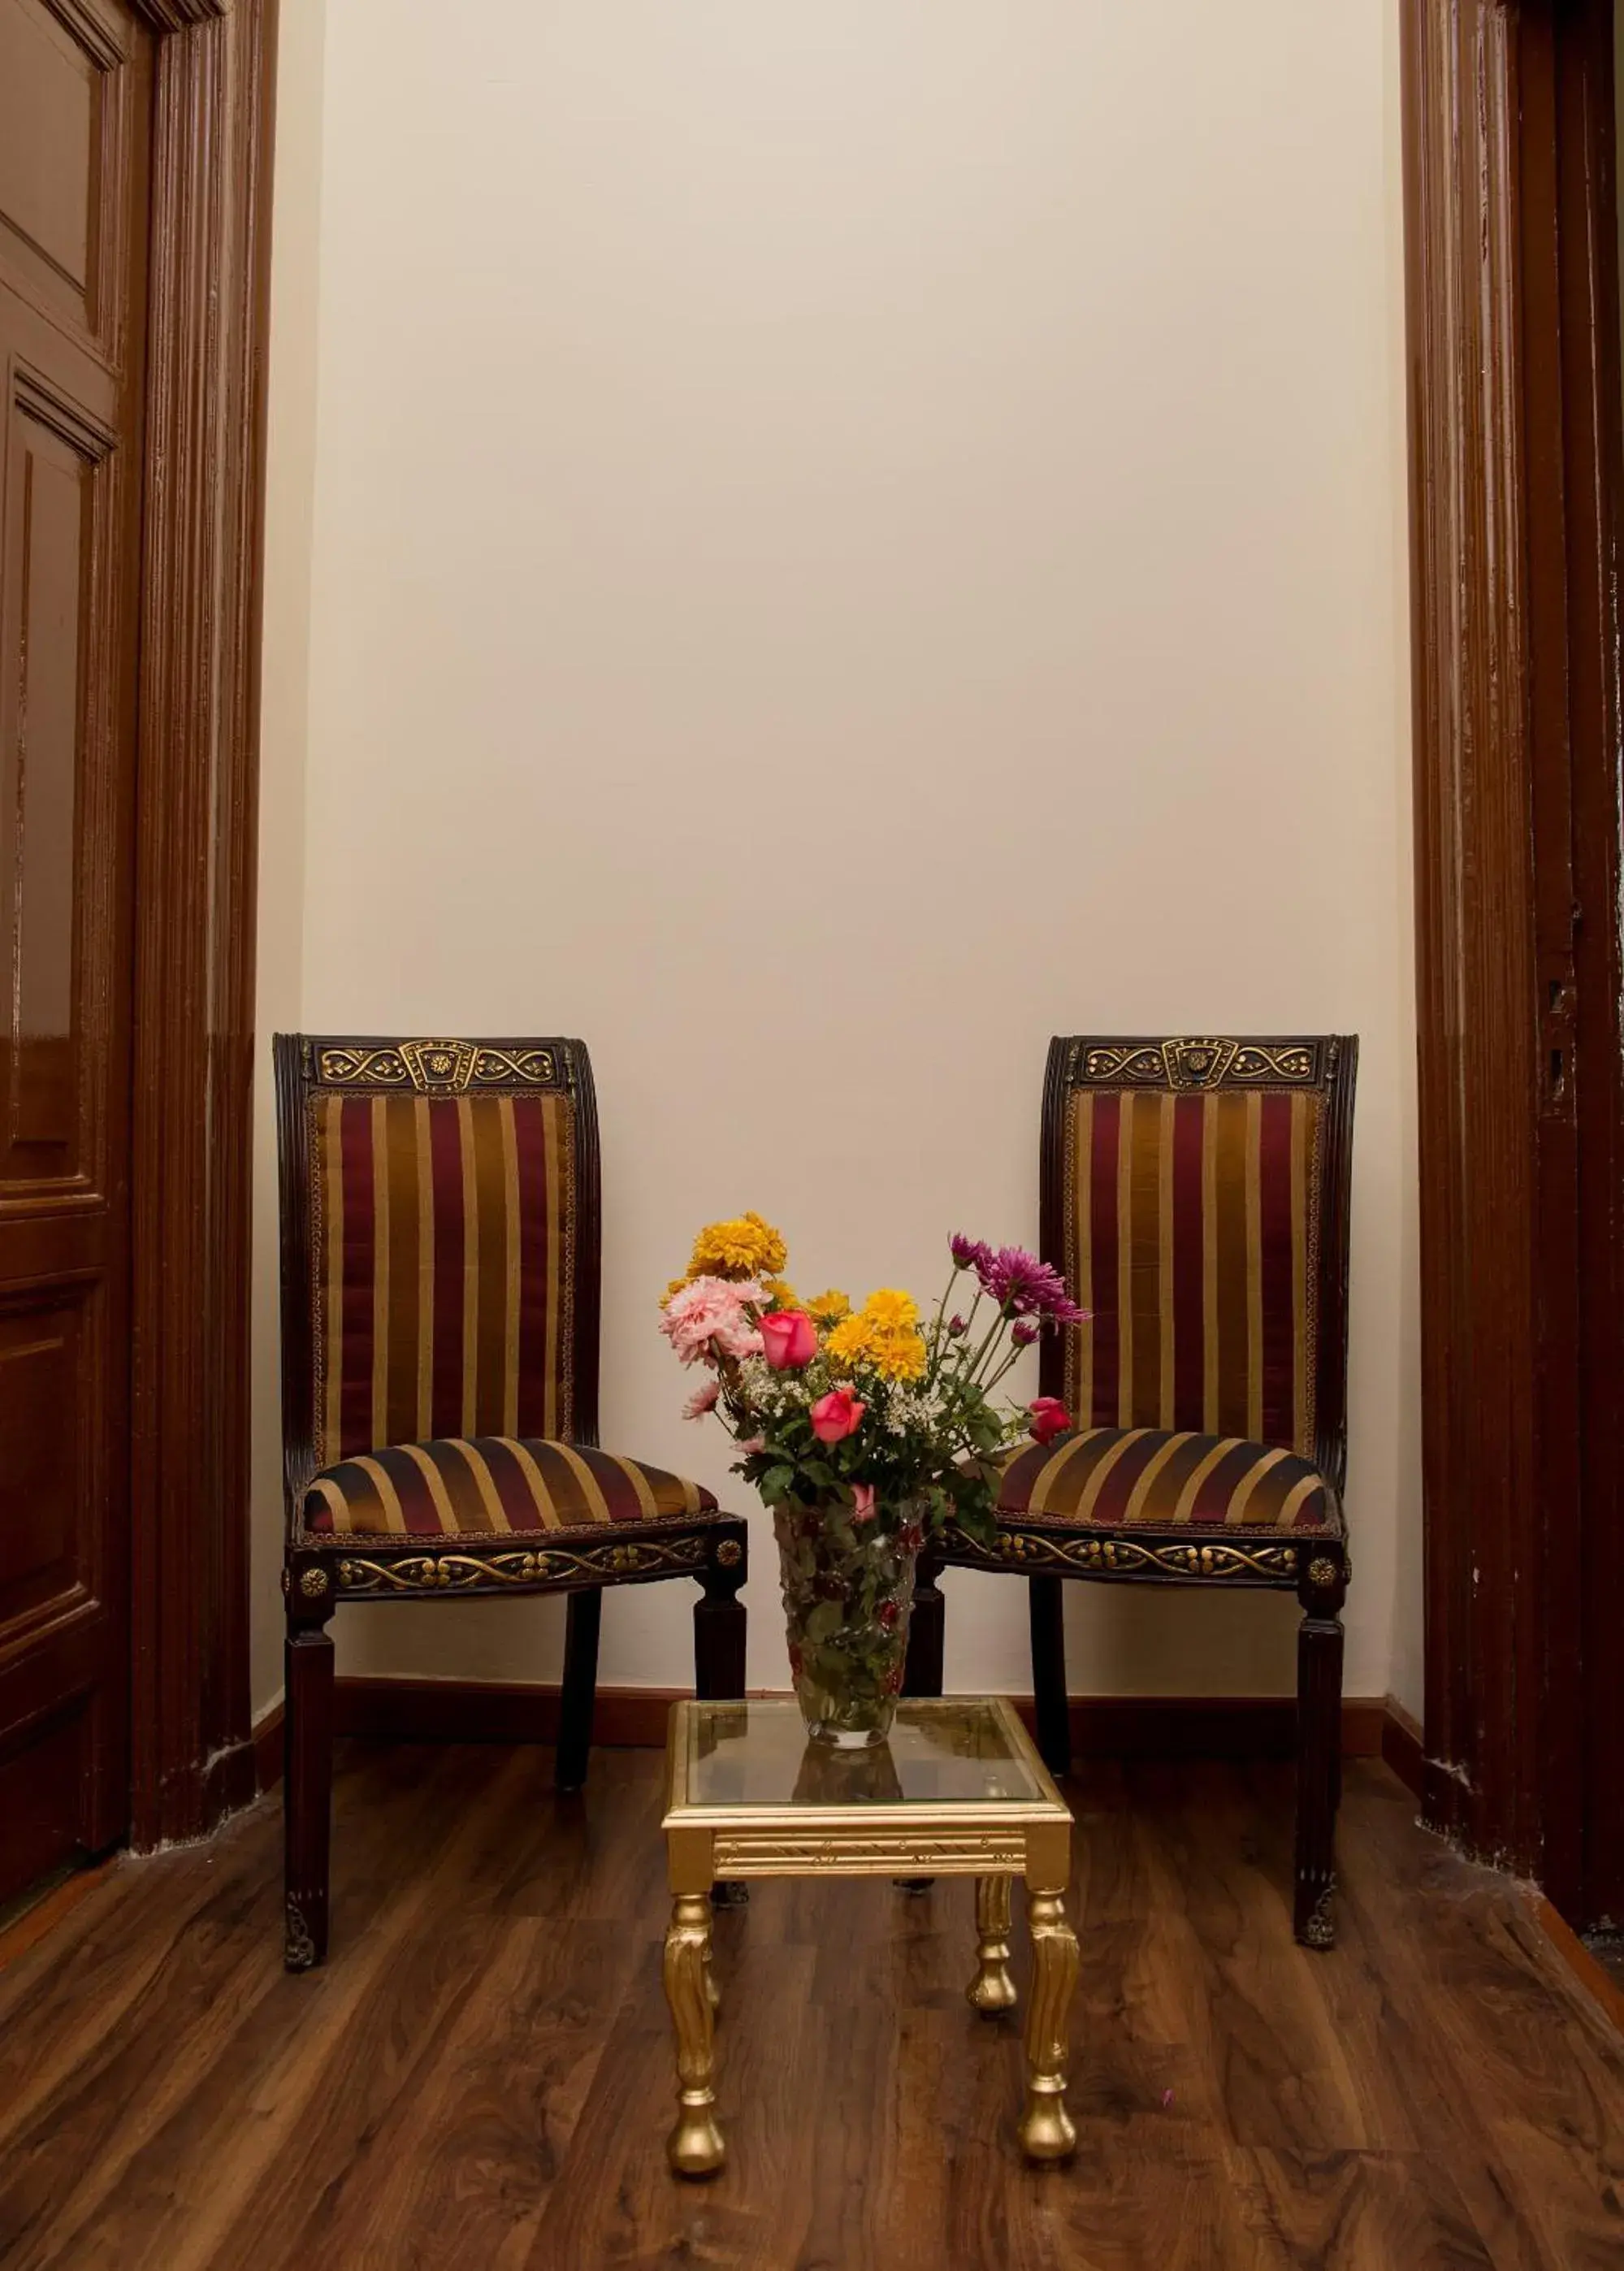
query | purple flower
[969, 1253]
[1022, 1333]
[1026, 1287]
[957, 1327]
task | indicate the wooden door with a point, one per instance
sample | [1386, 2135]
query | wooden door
[75, 130]
[1518, 537]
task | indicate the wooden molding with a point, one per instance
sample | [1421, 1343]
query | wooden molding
[196, 840]
[1474, 943]
[179, 15]
[634, 1719]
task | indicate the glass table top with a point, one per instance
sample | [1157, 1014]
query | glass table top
[959, 1751]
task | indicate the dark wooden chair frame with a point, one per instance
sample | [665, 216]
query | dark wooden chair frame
[1316, 1569]
[321, 1571]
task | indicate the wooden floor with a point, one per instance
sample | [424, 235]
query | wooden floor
[481, 2075]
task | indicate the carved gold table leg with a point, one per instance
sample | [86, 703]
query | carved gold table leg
[992, 1989]
[694, 2148]
[1046, 2134]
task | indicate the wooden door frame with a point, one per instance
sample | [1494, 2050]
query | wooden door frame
[197, 812]
[1510, 229]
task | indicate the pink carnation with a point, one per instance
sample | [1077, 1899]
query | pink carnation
[707, 1317]
[702, 1400]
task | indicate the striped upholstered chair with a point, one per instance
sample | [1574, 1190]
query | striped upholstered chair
[440, 1291]
[1195, 1192]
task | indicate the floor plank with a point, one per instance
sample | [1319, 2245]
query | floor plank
[482, 2075]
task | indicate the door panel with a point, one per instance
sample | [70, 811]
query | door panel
[50, 101]
[75, 102]
[53, 509]
[44, 1343]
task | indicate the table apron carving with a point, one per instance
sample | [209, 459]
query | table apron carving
[765, 1853]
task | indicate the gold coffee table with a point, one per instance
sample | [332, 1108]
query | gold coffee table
[957, 1790]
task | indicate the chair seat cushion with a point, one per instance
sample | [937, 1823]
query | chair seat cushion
[1157, 1478]
[490, 1485]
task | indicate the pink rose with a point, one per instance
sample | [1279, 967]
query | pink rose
[863, 1502]
[788, 1340]
[836, 1415]
[702, 1400]
[1049, 1419]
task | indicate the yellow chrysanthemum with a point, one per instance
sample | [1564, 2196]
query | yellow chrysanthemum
[851, 1342]
[889, 1311]
[776, 1289]
[829, 1308]
[898, 1355]
[745, 1247]
[894, 1352]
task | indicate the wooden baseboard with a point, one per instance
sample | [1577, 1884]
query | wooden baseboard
[267, 1740]
[1401, 1747]
[634, 1719]
[1596, 1981]
[1205, 1726]
[491, 1711]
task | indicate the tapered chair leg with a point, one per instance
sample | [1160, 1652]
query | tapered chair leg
[307, 1792]
[1048, 1671]
[583, 1617]
[921, 1673]
[921, 1669]
[719, 1625]
[1318, 1751]
[720, 1633]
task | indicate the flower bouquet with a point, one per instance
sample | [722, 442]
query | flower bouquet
[865, 1430]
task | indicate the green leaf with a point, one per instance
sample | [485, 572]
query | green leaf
[976, 1520]
[824, 1622]
[775, 1484]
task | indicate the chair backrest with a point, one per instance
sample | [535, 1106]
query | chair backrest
[1194, 1192]
[440, 1242]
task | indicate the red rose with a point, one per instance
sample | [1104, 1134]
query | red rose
[836, 1415]
[1049, 1419]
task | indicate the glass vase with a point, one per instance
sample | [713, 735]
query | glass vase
[847, 1590]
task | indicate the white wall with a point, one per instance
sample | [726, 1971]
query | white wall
[847, 540]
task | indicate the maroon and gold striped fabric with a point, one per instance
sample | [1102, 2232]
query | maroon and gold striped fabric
[1191, 1233]
[489, 1484]
[1133, 1477]
[443, 1268]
